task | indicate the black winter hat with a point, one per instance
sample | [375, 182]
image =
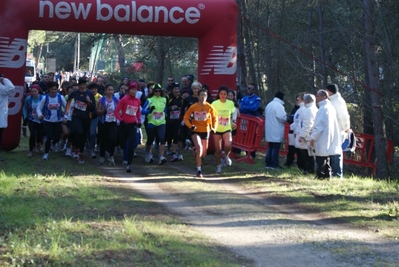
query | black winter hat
[333, 88]
[279, 95]
[175, 84]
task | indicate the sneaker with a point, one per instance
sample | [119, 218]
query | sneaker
[199, 174]
[219, 169]
[56, 147]
[93, 155]
[174, 158]
[162, 160]
[75, 155]
[148, 157]
[128, 168]
[30, 154]
[223, 162]
[180, 157]
[227, 160]
[81, 160]
[124, 162]
[101, 160]
[68, 152]
[45, 156]
[111, 161]
[168, 152]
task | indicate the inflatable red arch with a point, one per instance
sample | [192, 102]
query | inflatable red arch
[214, 23]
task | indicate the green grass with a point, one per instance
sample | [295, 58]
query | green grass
[59, 213]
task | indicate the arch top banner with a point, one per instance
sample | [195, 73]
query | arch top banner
[214, 23]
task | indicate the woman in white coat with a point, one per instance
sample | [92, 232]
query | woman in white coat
[6, 87]
[295, 127]
[303, 133]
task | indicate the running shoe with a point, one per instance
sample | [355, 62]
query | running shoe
[68, 152]
[124, 162]
[148, 157]
[93, 155]
[30, 154]
[128, 168]
[101, 160]
[56, 147]
[45, 156]
[219, 169]
[227, 160]
[174, 158]
[199, 174]
[75, 155]
[162, 160]
[81, 160]
[111, 161]
[180, 157]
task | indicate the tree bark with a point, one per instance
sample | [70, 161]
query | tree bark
[382, 171]
[121, 52]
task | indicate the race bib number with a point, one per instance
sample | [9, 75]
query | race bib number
[223, 121]
[80, 105]
[34, 114]
[175, 114]
[131, 110]
[110, 116]
[157, 116]
[53, 106]
[200, 116]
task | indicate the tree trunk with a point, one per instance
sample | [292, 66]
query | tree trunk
[121, 52]
[161, 58]
[321, 44]
[382, 171]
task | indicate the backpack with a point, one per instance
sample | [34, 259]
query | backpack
[349, 143]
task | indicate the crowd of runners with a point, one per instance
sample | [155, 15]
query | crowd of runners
[97, 119]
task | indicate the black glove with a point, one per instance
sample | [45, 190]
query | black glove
[152, 108]
[193, 127]
[138, 125]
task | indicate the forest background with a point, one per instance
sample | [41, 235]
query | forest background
[283, 45]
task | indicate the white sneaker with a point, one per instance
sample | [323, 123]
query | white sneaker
[227, 160]
[56, 147]
[162, 160]
[101, 160]
[68, 152]
[124, 162]
[174, 158]
[219, 169]
[45, 156]
[180, 157]
[148, 157]
[75, 155]
[111, 161]
[93, 155]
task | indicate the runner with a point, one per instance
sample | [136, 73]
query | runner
[200, 118]
[107, 127]
[224, 109]
[128, 113]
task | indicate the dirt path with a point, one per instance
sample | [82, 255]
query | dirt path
[267, 231]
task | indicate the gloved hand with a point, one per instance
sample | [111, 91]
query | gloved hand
[152, 108]
[193, 127]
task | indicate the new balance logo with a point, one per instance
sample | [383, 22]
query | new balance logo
[12, 54]
[221, 61]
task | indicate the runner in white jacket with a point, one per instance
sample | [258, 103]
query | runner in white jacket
[6, 87]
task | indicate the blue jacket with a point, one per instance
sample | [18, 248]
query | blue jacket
[250, 104]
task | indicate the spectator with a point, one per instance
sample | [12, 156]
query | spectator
[275, 117]
[343, 123]
[325, 137]
[303, 136]
[295, 126]
[250, 103]
[170, 86]
[6, 88]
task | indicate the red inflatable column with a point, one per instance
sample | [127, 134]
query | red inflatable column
[13, 43]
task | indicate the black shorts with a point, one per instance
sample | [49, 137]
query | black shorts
[222, 133]
[203, 136]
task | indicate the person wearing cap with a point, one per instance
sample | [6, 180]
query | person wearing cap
[29, 113]
[128, 112]
[81, 105]
[6, 87]
[154, 109]
[275, 117]
[344, 125]
[325, 139]
[174, 117]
